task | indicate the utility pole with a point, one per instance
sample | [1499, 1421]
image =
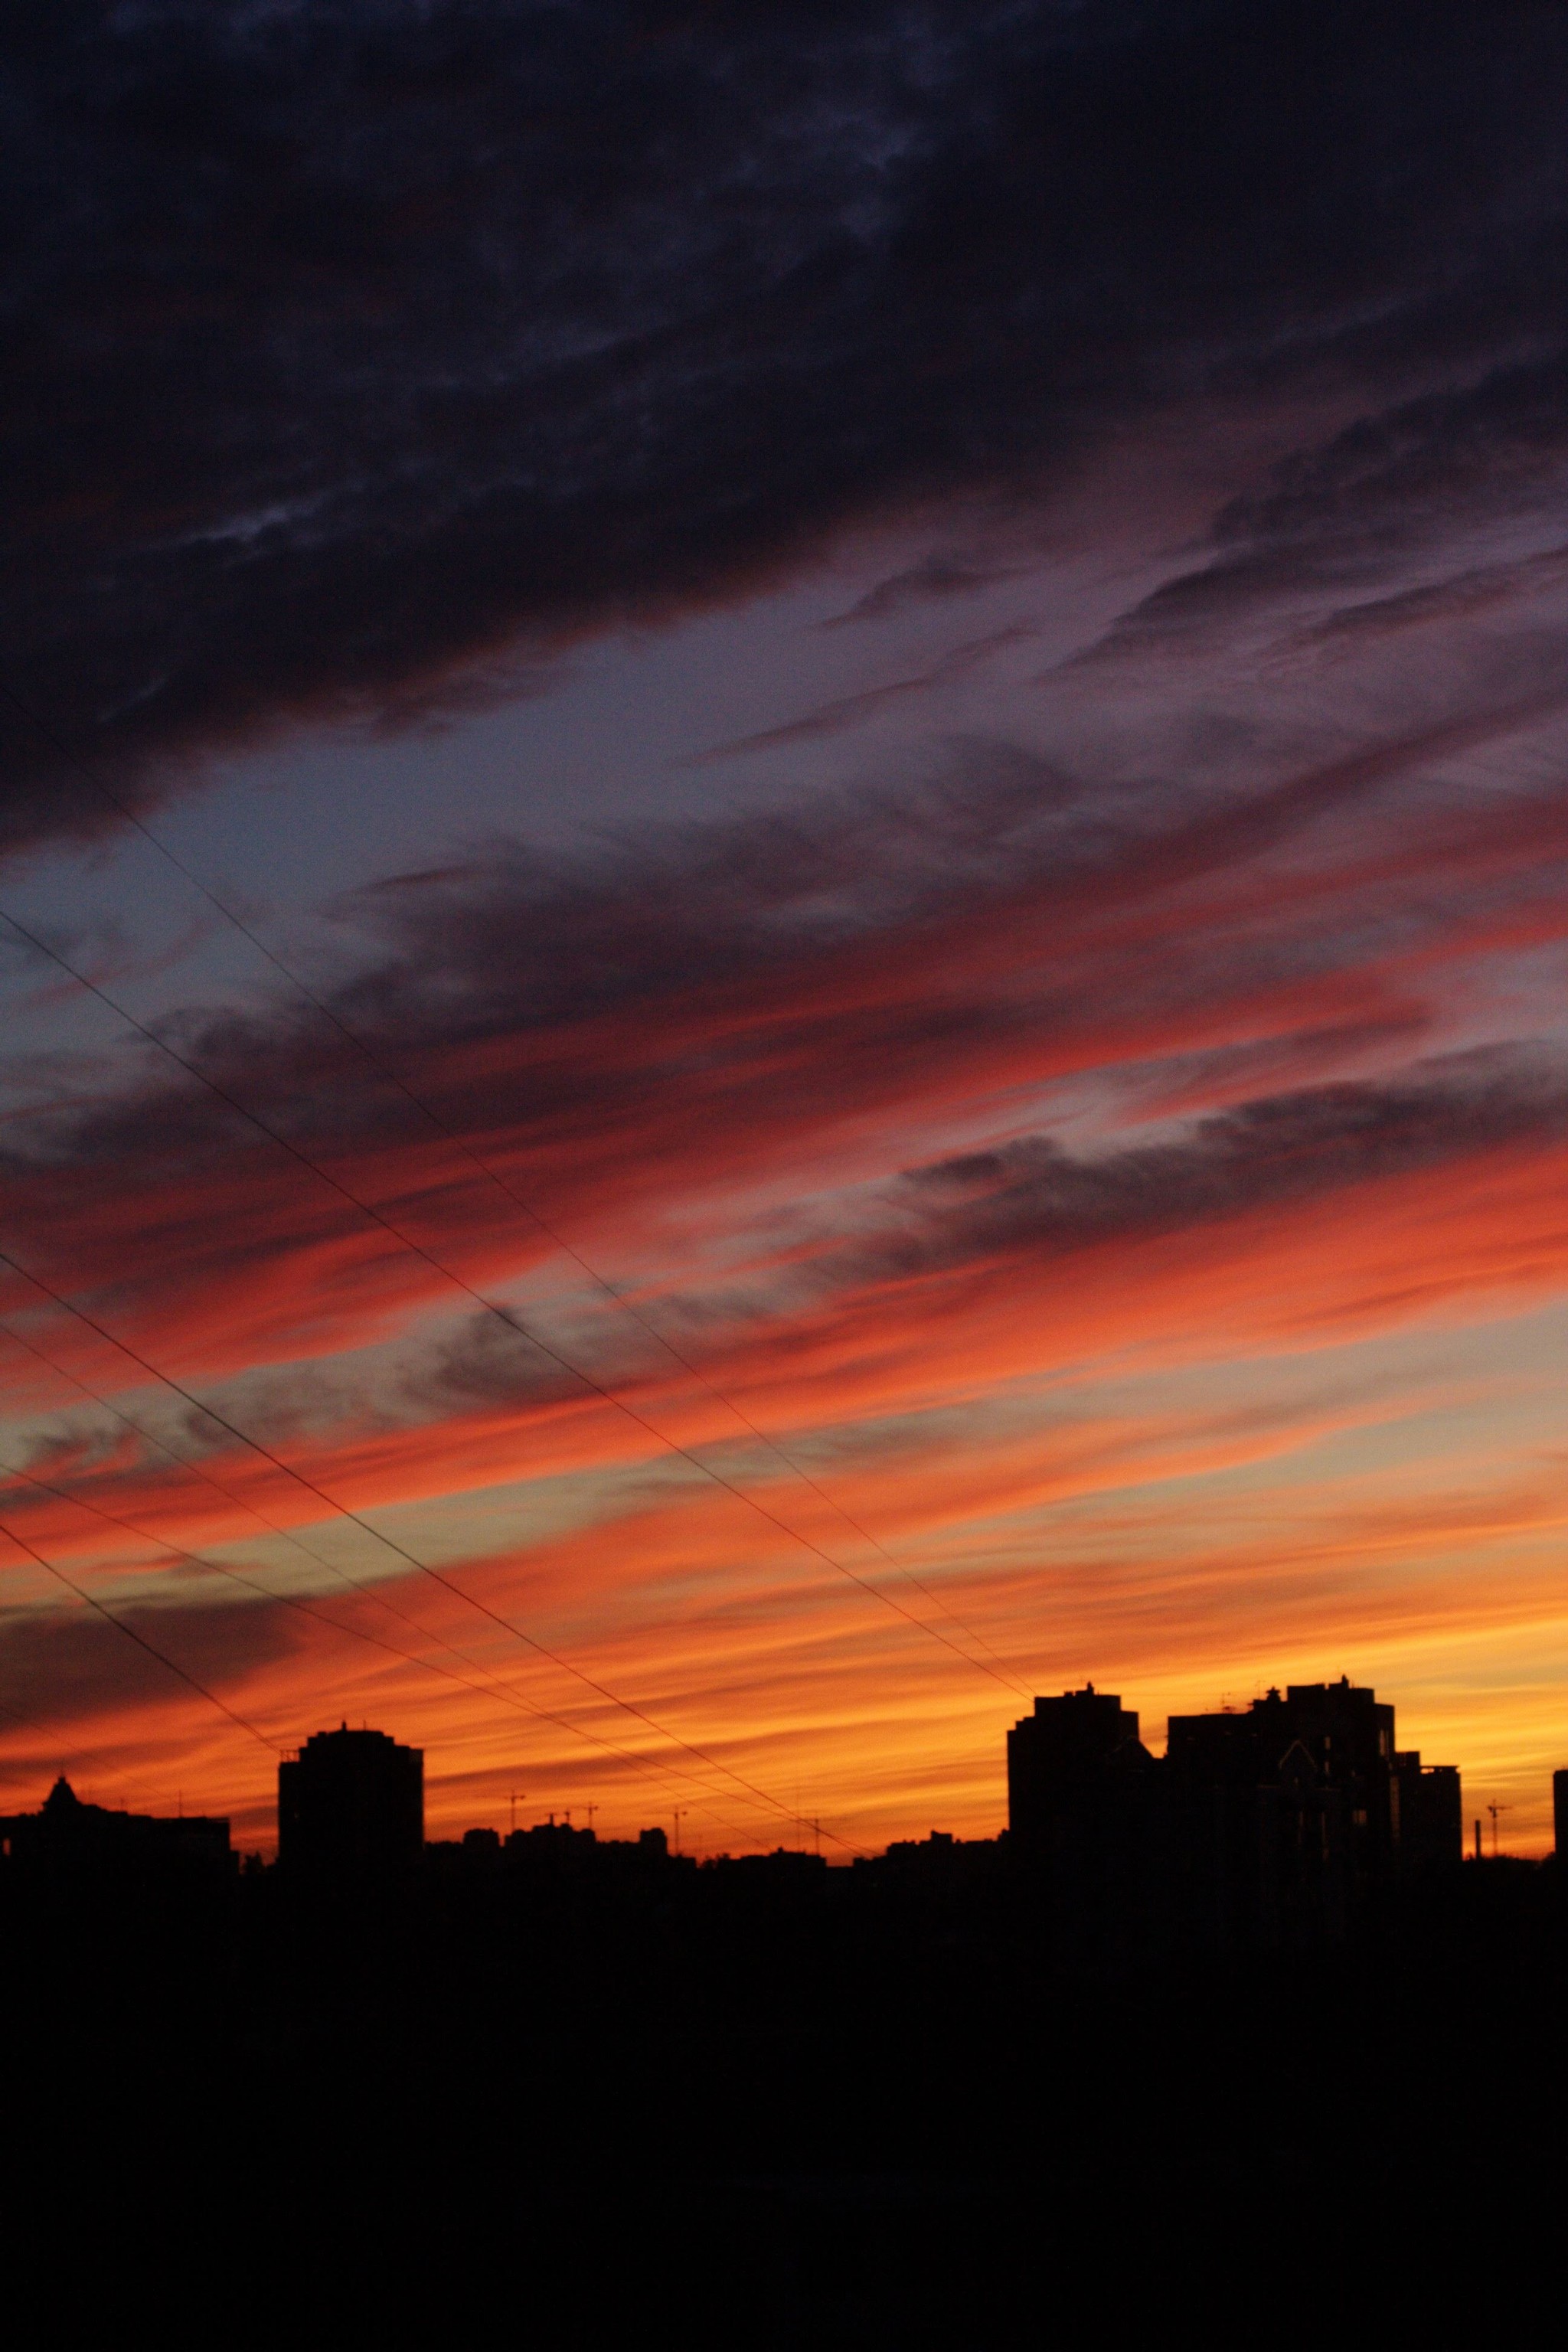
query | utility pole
[680, 1810]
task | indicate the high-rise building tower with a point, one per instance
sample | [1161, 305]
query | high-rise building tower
[1057, 1760]
[350, 1807]
[1085, 1819]
[1285, 1823]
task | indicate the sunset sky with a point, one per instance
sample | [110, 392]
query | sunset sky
[785, 870]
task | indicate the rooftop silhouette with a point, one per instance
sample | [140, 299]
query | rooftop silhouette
[1292, 1823]
[69, 1844]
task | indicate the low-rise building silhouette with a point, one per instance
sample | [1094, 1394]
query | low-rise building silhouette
[1430, 1819]
[69, 1845]
[350, 1808]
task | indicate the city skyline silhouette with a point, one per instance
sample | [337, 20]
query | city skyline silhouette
[784, 1114]
[1320, 1759]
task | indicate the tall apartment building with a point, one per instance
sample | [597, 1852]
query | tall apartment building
[1278, 1823]
[350, 1808]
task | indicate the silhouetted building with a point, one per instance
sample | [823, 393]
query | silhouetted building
[939, 1859]
[553, 1864]
[67, 1845]
[1298, 1812]
[1087, 1821]
[1276, 1824]
[350, 1808]
[939, 1873]
[552, 1849]
[1284, 1808]
[1057, 1762]
[1430, 1817]
[1560, 1814]
[786, 1871]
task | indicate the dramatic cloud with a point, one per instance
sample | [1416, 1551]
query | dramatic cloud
[1033, 1197]
[613, 1043]
[80, 1665]
[353, 344]
[1020, 1080]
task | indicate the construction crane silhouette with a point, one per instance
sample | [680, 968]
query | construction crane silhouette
[1494, 1811]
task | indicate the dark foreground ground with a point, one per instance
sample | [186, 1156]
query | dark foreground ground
[472, 2111]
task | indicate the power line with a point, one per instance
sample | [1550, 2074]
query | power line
[513, 1323]
[307, 1551]
[998, 1671]
[495, 1687]
[140, 1639]
[503, 1315]
[358, 1632]
[47, 1731]
[422, 1567]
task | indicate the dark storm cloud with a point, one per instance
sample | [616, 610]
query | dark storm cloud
[745, 906]
[1033, 1199]
[1374, 496]
[525, 936]
[932, 582]
[351, 344]
[1483, 588]
[565, 991]
[837, 717]
[649, 1023]
[87, 1665]
[1422, 460]
[523, 944]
